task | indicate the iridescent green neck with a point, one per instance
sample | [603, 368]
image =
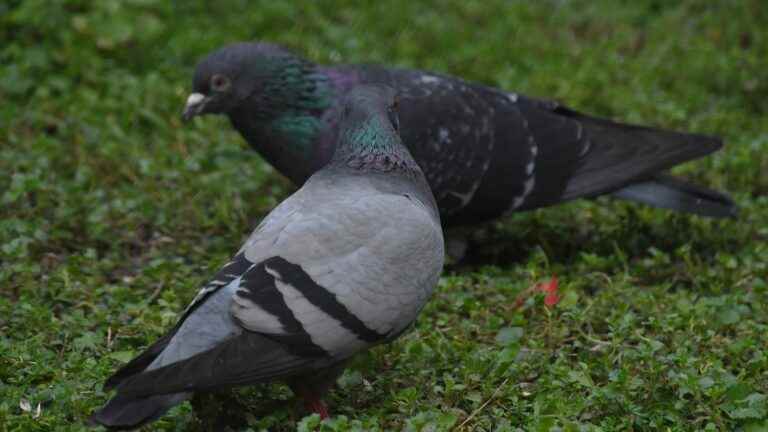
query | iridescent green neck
[374, 135]
[300, 130]
[373, 145]
[301, 95]
[286, 114]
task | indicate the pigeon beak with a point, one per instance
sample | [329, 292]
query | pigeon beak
[195, 104]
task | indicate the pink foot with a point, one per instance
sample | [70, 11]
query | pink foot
[317, 406]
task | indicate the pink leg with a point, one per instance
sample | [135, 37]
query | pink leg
[317, 406]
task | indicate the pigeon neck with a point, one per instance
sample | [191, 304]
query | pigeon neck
[284, 120]
[373, 146]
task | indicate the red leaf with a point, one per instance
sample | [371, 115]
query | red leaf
[551, 299]
[550, 288]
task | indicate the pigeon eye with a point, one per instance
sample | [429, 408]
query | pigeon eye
[219, 82]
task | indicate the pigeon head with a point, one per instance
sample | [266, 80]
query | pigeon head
[263, 78]
[372, 106]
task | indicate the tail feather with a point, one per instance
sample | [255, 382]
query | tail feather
[141, 362]
[580, 156]
[123, 412]
[620, 154]
[665, 191]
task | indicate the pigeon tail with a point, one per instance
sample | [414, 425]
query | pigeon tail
[617, 154]
[667, 192]
[122, 412]
[140, 363]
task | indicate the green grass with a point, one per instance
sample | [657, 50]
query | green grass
[112, 214]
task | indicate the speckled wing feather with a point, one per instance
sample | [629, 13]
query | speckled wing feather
[483, 151]
[448, 126]
[486, 152]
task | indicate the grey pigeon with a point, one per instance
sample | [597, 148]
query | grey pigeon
[345, 263]
[485, 152]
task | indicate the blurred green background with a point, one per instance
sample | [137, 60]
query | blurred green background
[112, 213]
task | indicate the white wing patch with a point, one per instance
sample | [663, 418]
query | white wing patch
[324, 330]
[253, 317]
[465, 198]
[213, 286]
[530, 171]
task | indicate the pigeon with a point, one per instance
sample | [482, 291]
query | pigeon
[345, 263]
[485, 152]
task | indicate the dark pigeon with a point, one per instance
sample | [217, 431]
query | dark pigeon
[343, 264]
[485, 152]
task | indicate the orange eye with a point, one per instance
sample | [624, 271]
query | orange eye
[219, 82]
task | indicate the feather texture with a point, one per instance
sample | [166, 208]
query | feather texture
[485, 152]
[345, 263]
